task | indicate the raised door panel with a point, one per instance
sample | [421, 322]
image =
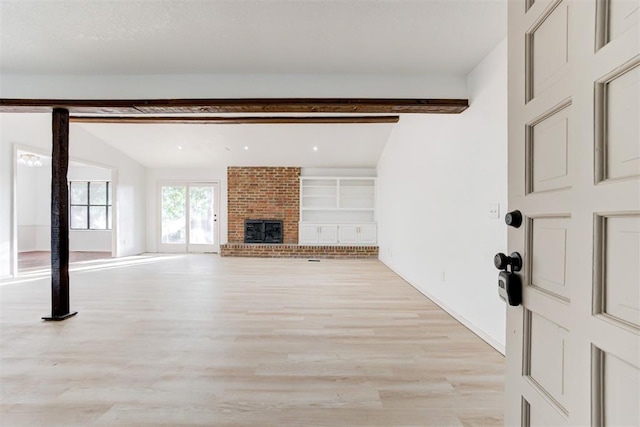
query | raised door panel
[548, 262]
[348, 234]
[368, 234]
[537, 418]
[548, 152]
[621, 129]
[538, 415]
[622, 16]
[548, 50]
[620, 392]
[546, 359]
[619, 263]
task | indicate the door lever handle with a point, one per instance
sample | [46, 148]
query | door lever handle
[502, 261]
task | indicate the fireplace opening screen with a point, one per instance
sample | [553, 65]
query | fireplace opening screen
[262, 231]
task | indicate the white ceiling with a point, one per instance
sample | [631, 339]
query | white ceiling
[157, 145]
[248, 37]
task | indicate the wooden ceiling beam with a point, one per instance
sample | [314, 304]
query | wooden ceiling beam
[235, 120]
[257, 105]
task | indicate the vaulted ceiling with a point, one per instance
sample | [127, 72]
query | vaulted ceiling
[193, 145]
[353, 39]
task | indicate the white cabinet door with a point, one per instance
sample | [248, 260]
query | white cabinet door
[328, 234]
[348, 234]
[367, 234]
[331, 234]
[309, 234]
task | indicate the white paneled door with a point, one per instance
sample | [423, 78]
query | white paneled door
[573, 346]
[188, 217]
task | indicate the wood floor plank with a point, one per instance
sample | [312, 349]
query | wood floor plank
[200, 340]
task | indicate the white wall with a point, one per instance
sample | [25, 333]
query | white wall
[156, 176]
[34, 131]
[87, 173]
[26, 187]
[437, 177]
[90, 240]
[34, 205]
[231, 86]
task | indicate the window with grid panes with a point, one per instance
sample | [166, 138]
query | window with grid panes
[90, 205]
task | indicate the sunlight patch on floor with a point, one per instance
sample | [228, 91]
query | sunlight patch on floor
[92, 265]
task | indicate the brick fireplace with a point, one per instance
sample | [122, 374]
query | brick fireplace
[263, 193]
[273, 193]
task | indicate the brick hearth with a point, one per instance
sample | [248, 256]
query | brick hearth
[296, 251]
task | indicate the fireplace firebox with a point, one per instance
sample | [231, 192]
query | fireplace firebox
[262, 231]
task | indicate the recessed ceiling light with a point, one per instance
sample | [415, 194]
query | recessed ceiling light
[179, 147]
[246, 148]
[315, 148]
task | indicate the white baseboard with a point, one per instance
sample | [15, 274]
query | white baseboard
[473, 328]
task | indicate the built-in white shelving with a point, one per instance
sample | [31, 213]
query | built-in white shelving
[337, 210]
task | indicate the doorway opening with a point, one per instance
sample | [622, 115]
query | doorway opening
[189, 217]
[91, 193]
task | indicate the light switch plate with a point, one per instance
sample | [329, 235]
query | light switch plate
[494, 210]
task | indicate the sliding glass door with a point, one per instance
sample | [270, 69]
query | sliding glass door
[188, 217]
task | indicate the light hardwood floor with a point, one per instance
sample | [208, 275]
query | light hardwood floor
[35, 261]
[206, 341]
